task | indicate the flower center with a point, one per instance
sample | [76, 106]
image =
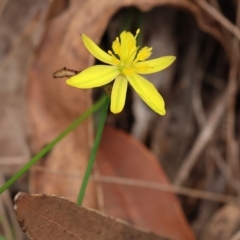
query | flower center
[125, 55]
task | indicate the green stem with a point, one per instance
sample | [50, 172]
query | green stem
[94, 151]
[46, 149]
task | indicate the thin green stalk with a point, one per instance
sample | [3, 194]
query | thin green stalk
[94, 150]
[70, 128]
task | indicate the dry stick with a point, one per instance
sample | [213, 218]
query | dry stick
[165, 187]
[196, 98]
[198, 109]
[224, 168]
[169, 188]
[219, 17]
[203, 138]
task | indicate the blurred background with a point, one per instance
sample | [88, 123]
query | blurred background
[196, 144]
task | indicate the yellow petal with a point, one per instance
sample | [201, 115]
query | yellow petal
[128, 48]
[96, 51]
[118, 95]
[148, 93]
[94, 76]
[154, 65]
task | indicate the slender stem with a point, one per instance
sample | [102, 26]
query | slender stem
[46, 149]
[94, 150]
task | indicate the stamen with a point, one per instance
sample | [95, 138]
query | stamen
[137, 32]
[143, 54]
[116, 47]
[114, 59]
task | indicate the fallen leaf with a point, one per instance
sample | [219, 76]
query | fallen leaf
[51, 217]
[120, 155]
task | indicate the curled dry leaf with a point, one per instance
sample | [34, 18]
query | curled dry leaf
[51, 217]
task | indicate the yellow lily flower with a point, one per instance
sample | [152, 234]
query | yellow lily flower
[126, 63]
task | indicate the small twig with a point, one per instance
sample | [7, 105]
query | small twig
[165, 187]
[170, 188]
[197, 100]
[219, 17]
[196, 91]
[224, 168]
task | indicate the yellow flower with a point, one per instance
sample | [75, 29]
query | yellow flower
[126, 63]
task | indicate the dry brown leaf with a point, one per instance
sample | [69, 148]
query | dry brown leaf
[120, 155]
[51, 217]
